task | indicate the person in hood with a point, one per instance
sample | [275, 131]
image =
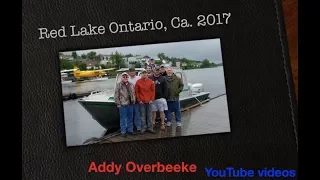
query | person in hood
[163, 71]
[175, 86]
[161, 94]
[145, 93]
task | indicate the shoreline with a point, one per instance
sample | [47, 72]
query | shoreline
[202, 68]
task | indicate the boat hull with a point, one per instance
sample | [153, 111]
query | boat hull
[107, 113]
[184, 103]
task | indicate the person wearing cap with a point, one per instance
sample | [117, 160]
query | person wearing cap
[145, 93]
[133, 78]
[175, 85]
[152, 64]
[161, 94]
[124, 97]
[163, 71]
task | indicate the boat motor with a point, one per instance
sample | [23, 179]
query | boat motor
[196, 88]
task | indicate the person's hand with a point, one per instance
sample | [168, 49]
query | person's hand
[141, 102]
[118, 106]
[150, 102]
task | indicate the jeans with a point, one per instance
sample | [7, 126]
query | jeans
[126, 117]
[137, 116]
[173, 106]
[146, 116]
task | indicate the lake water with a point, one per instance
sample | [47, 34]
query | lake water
[80, 126]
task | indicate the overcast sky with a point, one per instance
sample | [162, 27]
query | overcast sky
[196, 50]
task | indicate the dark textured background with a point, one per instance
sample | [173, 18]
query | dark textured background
[258, 80]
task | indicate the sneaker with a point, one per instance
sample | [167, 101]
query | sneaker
[123, 134]
[168, 124]
[142, 131]
[179, 124]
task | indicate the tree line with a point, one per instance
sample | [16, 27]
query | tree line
[80, 61]
[188, 63]
[117, 58]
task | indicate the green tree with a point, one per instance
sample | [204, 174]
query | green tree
[109, 66]
[188, 63]
[97, 58]
[173, 61]
[74, 55]
[157, 62]
[66, 64]
[112, 73]
[76, 63]
[161, 56]
[103, 66]
[117, 59]
[206, 63]
[91, 55]
[82, 66]
[83, 56]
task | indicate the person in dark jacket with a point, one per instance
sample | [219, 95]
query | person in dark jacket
[163, 71]
[161, 94]
[175, 86]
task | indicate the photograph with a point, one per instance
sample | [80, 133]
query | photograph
[144, 92]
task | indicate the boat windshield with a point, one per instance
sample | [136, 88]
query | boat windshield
[183, 78]
[179, 74]
[118, 78]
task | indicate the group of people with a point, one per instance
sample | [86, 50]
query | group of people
[140, 98]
